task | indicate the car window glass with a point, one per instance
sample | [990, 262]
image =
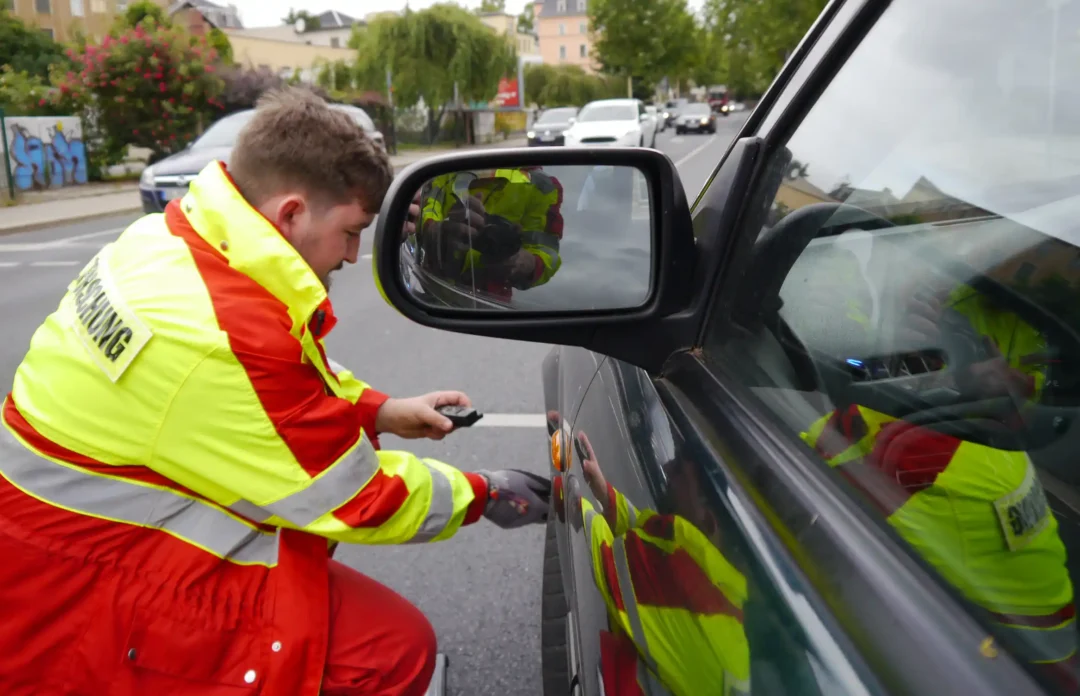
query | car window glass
[555, 116]
[223, 133]
[696, 108]
[607, 112]
[910, 308]
[360, 116]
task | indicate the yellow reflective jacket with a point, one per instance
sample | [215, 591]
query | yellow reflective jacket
[674, 594]
[177, 426]
[530, 198]
[977, 514]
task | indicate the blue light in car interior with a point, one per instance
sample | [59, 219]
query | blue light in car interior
[854, 362]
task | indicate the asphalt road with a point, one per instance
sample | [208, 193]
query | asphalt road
[481, 589]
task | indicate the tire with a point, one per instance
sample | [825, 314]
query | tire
[554, 655]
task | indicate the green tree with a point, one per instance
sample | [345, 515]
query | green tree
[149, 87]
[428, 52]
[493, 6]
[219, 41]
[754, 39]
[23, 94]
[526, 22]
[337, 76]
[27, 49]
[645, 39]
[138, 13]
[311, 22]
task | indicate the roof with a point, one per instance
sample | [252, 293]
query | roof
[332, 19]
[550, 8]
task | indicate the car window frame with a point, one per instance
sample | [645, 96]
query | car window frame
[756, 454]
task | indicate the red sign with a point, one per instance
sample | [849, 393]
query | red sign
[508, 93]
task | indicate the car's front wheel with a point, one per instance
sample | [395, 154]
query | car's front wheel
[554, 656]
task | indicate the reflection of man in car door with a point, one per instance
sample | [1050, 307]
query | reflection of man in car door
[977, 513]
[675, 602]
[500, 229]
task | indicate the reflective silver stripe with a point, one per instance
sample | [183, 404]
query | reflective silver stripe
[1042, 645]
[626, 589]
[649, 682]
[440, 509]
[631, 515]
[735, 687]
[327, 492]
[194, 521]
[545, 239]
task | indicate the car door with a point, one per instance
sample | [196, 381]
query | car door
[837, 599]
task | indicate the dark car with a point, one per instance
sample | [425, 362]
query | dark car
[697, 117]
[169, 178]
[827, 445]
[549, 127]
[671, 111]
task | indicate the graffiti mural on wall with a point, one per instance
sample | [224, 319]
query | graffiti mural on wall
[46, 152]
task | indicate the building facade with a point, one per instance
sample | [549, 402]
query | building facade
[526, 43]
[562, 27]
[61, 19]
[334, 31]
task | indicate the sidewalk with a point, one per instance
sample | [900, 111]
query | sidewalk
[66, 206]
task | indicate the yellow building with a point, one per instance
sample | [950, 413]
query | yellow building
[562, 27]
[61, 18]
[285, 57]
[526, 43]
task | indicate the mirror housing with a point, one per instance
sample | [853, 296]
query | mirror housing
[603, 330]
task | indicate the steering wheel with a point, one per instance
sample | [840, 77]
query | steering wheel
[943, 408]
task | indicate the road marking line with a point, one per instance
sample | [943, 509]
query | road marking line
[53, 263]
[56, 243]
[8, 264]
[512, 420]
[695, 151]
[366, 257]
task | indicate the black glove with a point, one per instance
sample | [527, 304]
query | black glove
[516, 498]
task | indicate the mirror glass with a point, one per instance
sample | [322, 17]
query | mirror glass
[558, 238]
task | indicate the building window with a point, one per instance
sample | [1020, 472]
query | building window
[562, 52]
[49, 33]
[581, 5]
[583, 28]
[562, 30]
[335, 42]
[43, 6]
[121, 5]
[77, 8]
[560, 6]
[582, 52]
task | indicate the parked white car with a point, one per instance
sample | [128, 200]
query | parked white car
[610, 123]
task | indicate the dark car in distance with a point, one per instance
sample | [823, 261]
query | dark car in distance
[548, 129]
[167, 179]
[697, 117]
[827, 444]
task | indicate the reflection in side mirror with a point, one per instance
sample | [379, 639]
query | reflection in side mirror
[553, 239]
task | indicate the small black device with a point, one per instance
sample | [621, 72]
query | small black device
[460, 416]
[582, 453]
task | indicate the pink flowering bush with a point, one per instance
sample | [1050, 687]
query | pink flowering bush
[148, 86]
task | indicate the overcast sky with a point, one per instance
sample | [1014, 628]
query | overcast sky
[263, 13]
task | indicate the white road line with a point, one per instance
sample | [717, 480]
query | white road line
[695, 151]
[53, 263]
[8, 264]
[57, 243]
[512, 420]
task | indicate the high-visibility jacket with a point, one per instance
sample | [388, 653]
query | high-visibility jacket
[675, 596]
[177, 451]
[530, 198]
[977, 514]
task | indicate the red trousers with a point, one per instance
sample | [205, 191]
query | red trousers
[380, 644]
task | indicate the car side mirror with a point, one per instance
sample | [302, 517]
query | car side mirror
[573, 246]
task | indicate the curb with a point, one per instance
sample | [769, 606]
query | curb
[31, 227]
